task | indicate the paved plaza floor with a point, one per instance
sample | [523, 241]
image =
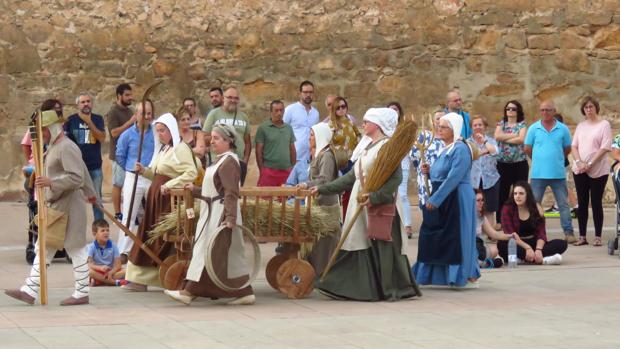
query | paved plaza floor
[574, 305]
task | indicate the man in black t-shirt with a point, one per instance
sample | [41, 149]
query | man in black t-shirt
[87, 130]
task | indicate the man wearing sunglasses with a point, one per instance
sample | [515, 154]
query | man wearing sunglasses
[547, 143]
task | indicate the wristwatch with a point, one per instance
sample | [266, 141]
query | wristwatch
[589, 163]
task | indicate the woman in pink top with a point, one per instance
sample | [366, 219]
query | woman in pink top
[591, 141]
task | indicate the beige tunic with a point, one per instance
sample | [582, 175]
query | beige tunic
[176, 163]
[71, 186]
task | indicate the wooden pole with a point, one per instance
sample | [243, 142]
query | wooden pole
[142, 130]
[36, 133]
[332, 259]
[131, 235]
[136, 175]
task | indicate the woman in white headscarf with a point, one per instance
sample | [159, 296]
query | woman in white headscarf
[369, 269]
[172, 166]
[447, 245]
[323, 169]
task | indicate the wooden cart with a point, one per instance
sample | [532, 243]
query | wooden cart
[285, 272]
[173, 269]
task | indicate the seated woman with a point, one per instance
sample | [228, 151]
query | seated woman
[220, 188]
[369, 269]
[524, 219]
[172, 166]
[323, 170]
[488, 255]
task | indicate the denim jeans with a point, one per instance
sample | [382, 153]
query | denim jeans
[96, 176]
[560, 192]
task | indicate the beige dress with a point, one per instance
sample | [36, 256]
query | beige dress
[172, 167]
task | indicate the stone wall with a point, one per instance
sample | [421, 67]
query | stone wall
[371, 52]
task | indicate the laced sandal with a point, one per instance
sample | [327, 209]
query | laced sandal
[582, 241]
[597, 241]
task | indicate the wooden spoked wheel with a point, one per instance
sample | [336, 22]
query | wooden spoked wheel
[296, 278]
[164, 266]
[271, 271]
[176, 275]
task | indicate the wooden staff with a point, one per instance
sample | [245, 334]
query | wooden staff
[36, 134]
[131, 235]
[142, 130]
[341, 242]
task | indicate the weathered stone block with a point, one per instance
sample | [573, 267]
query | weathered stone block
[111, 69]
[37, 30]
[500, 90]
[543, 42]
[5, 89]
[197, 71]
[572, 60]
[488, 41]
[22, 59]
[607, 38]
[571, 40]
[163, 67]
[515, 39]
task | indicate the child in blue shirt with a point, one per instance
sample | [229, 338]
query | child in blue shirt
[104, 260]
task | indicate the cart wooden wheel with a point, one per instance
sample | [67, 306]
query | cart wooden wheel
[296, 278]
[164, 266]
[175, 275]
[271, 271]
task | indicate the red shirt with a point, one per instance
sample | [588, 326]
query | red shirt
[511, 224]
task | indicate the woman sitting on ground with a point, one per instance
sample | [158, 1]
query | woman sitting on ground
[488, 255]
[524, 219]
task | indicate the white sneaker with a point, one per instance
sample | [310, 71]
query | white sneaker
[245, 300]
[177, 296]
[556, 259]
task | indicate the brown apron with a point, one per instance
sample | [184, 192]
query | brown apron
[157, 205]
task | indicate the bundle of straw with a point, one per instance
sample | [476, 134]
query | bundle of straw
[322, 222]
[168, 223]
[389, 158]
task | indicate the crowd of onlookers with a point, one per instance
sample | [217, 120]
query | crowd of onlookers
[513, 157]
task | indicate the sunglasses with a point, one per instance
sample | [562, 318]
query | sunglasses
[547, 110]
[511, 109]
[342, 107]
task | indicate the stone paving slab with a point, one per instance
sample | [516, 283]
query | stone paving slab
[574, 305]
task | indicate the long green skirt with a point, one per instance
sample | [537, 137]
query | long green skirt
[377, 273]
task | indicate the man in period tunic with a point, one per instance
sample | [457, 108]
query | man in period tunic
[68, 188]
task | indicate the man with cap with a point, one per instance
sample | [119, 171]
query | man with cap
[67, 187]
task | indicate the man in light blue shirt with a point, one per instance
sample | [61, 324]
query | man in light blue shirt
[126, 156]
[302, 116]
[547, 142]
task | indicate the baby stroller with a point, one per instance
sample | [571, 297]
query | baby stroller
[612, 244]
[32, 225]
